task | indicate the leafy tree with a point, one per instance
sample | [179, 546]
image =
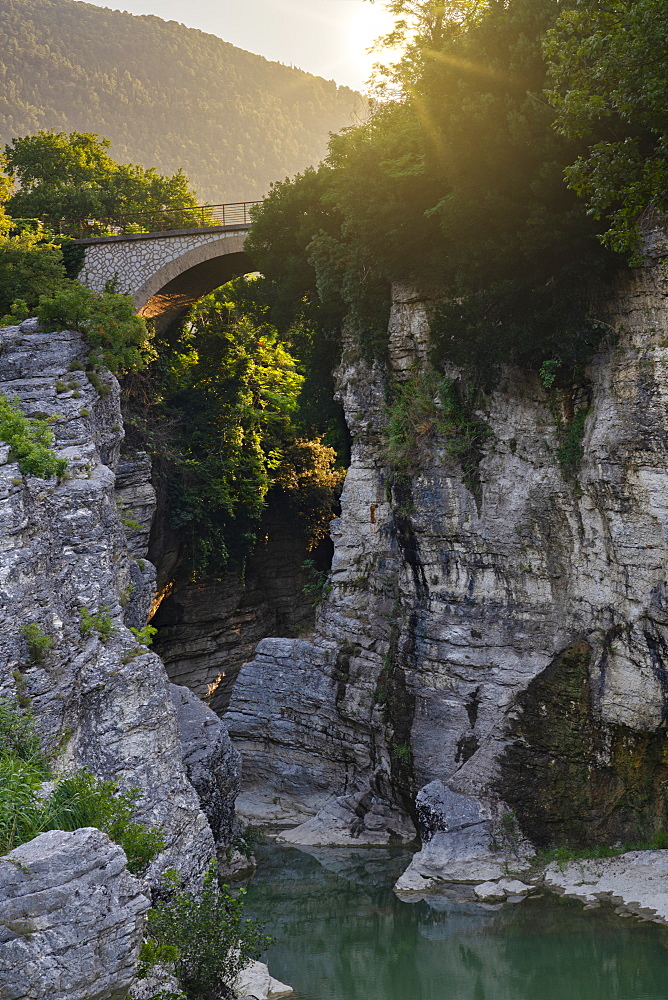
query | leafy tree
[421, 30]
[220, 410]
[29, 267]
[64, 176]
[607, 70]
[30, 442]
[207, 936]
[456, 182]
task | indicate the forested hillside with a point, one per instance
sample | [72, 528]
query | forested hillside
[166, 95]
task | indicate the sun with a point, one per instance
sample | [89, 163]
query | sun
[369, 22]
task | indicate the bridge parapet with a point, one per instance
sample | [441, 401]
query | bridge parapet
[237, 213]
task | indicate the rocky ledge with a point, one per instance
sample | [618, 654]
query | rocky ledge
[635, 883]
[72, 919]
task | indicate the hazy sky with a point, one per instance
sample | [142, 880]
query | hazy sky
[326, 37]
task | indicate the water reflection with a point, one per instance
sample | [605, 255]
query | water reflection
[343, 935]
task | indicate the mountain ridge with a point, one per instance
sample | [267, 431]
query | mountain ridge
[166, 95]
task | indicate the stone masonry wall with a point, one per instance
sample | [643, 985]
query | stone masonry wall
[133, 261]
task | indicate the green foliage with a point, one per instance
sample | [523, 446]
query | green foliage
[165, 94]
[144, 635]
[567, 852]
[317, 585]
[429, 409]
[118, 337]
[548, 372]
[102, 387]
[20, 814]
[310, 483]
[38, 642]
[74, 255]
[30, 442]
[570, 451]
[64, 176]
[99, 621]
[248, 841]
[219, 410]
[77, 799]
[213, 940]
[609, 87]
[403, 754]
[18, 738]
[131, 523]
[455, 182]
[29, 267]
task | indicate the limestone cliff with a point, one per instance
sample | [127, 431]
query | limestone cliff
[77, 547]
[504, 635]
[209, 626]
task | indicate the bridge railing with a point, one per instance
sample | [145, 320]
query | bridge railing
[156, 221]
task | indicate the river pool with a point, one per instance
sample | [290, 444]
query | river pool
[342, 934]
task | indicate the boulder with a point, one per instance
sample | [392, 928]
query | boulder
[71, 919]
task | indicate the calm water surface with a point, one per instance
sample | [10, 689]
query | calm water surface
[341, 934]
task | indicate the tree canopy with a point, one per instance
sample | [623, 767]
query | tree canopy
[455, 182]
[60, 176]
[607, 69]
[221, 409]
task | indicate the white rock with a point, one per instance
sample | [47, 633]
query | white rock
[638, 880]
[71, 918]
[255, 981]
[490, 892]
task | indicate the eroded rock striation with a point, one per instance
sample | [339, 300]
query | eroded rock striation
[497, 622]
[76, 548]
[71, 920]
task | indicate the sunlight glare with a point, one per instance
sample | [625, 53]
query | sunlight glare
[368, 23]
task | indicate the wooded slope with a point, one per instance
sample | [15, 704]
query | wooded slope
[166, 95]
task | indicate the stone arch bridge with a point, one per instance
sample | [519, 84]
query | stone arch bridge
[167, 271]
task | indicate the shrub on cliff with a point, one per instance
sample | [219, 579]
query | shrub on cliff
[76, 800]
[108, 323]
[205, 933]
[30, 266]
[30, 442]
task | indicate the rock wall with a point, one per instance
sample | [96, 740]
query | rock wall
[72, 919]
[76, 546]
[506, 637]
[207, 628]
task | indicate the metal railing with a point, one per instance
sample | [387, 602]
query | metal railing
[157, 221]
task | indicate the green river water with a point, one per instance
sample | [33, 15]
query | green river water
[342, 934]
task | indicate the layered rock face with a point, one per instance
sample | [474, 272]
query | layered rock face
[65, 555]
[207, 628]
[504, 633]
[72, 919]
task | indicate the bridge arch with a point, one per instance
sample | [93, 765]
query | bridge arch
[166, 272]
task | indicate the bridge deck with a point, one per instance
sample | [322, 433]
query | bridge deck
[128, 237]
